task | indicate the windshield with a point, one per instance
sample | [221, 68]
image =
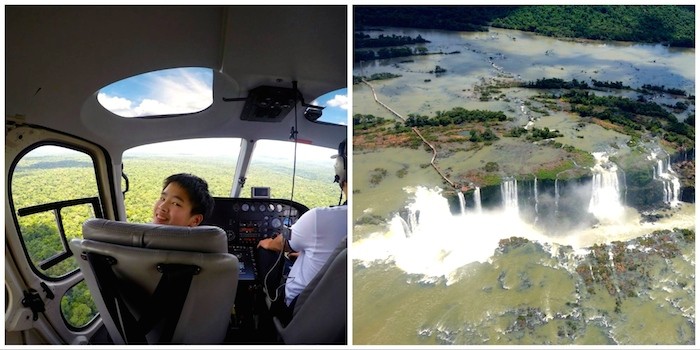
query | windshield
[215, 160]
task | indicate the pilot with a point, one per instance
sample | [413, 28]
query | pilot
[314, 237]
[184, 201]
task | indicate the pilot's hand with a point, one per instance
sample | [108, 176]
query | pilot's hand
[274, 244]
[292, 256]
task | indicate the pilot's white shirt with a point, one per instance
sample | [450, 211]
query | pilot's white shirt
[315, 235]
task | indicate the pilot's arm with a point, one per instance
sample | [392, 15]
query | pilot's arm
[275, 244]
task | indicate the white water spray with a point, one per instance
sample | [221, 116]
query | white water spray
[509, 193]
[437, 244]
[605, 201]
[462, 204]
[664, 173]
[477, 199]
[537, 201]
[556, 197]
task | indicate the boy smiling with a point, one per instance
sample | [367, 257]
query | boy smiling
[184, 201]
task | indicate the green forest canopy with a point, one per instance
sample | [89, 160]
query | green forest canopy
[672, 25]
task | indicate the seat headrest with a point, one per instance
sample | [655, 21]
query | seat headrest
[205, 239]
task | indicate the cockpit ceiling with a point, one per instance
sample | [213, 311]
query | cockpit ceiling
[58, 57]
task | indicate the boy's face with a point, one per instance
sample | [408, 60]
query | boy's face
[175, 208]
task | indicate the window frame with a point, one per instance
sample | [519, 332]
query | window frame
[36, 209]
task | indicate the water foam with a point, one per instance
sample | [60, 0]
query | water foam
[605, 201]
[434, 243]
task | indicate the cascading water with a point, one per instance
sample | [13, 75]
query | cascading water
[664, 173]
[556, 197]
[537, 201]
[605, 201]
[509, 193]
[462, 204]
[445, 242]
[477, 199]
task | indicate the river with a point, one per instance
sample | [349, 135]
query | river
[425, 273]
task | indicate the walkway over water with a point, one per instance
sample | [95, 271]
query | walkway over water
[415, 129]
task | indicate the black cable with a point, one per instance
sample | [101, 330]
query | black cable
[295, 132]
[293, 135]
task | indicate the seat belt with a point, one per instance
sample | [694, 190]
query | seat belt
[164, 305]
[168, 299]
[109, 289]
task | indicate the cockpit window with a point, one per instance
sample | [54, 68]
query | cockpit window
[160, 93]
[335, 111]
[146, 167]
[310, 182]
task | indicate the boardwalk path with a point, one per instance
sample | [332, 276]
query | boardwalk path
[415, 129]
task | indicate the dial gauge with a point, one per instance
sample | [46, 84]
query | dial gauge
[276, 223]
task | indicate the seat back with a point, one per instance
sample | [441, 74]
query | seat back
[320, 312]
[159, 284]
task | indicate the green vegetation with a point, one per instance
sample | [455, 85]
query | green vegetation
[610, 84]
[438, 70]
[491, 167]
[542, 134]
[377, 175]
[366, 121]
[484, 136]
[391, 52]
[634, 117]
[363, 40]
[533, 135]
[672, 25]
[457, 115]
[402, 172]
[459, 18]
[376, 76]
[628, 116]
[556, 83]
[672, 91]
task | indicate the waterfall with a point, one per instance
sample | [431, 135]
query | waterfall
[556, 196]
[537, 201]
[664, 173]
[477, 199]
[605, 191]
[462, 205]
[413, 219]
[509, 193]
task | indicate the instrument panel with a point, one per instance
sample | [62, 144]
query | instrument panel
[246, 221]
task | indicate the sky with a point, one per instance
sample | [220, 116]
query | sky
[188, 90]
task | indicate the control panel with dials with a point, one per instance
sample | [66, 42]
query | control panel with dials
[246, 221]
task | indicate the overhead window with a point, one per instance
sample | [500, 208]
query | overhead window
[160, 93]
[335, 109]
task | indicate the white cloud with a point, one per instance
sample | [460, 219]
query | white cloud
[184, 92]
[117, 105]
[340, 101]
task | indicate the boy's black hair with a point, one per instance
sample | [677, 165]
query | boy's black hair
[198, 191]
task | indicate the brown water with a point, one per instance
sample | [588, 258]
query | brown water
[447, 284]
